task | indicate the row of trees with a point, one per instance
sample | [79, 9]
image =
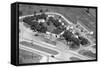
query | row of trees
[34, 24]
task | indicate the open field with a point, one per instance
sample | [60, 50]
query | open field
[73, 14]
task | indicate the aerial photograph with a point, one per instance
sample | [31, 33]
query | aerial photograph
[56, 34]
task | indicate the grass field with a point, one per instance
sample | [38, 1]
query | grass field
[73, 14]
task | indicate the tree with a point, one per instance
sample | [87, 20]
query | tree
[56, 23]
[43, 29]
[28, 20]
[83, 40]
[76, 40]
[67, 35]
[74, 46]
